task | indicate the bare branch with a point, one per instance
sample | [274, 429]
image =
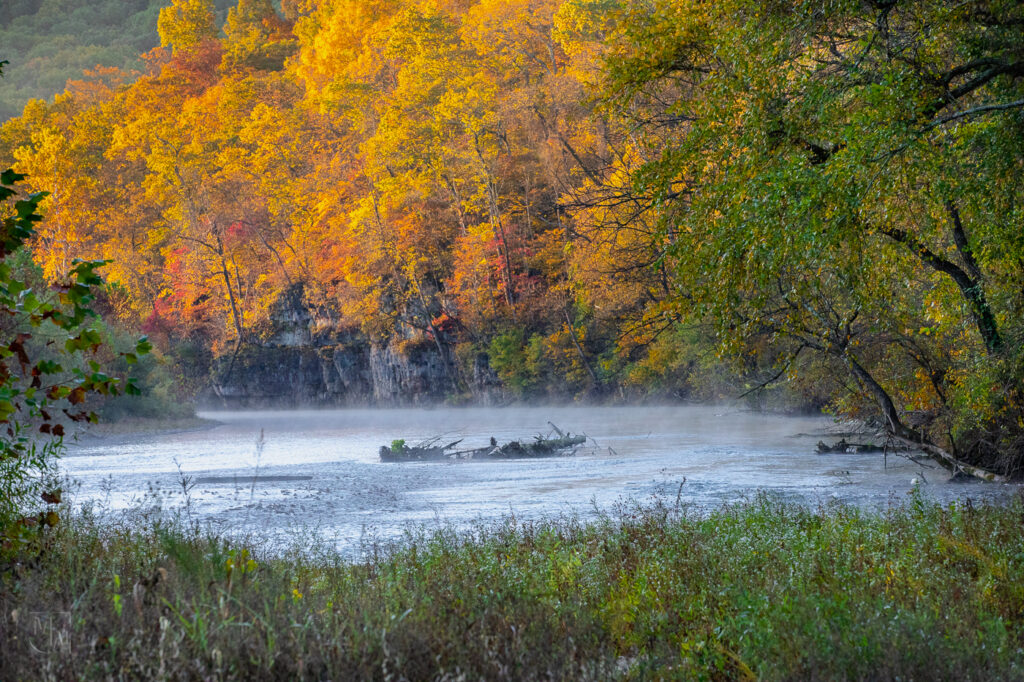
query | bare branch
[971, 112]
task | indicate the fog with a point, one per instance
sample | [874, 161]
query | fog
[319, 470]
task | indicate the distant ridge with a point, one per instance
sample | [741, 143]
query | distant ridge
[49, 42]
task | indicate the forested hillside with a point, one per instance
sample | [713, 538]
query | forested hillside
[408, 168]
[570, 197]
[49, 42]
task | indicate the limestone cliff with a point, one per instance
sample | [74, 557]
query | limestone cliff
[293, 366]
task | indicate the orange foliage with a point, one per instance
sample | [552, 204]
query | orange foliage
[402, 160]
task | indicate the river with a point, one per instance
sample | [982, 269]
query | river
[319, 472]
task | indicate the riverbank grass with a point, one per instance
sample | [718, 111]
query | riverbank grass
[764, 590]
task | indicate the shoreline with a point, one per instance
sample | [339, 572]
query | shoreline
[142, 426]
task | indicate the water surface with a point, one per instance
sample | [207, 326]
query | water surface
[320, 469]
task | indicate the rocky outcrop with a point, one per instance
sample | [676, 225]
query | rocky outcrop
[485, 385]
[290, 320]
[412, 375]
[339, 375]
[294, 367]
[264, 376]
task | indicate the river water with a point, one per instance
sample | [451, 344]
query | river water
[319, 470]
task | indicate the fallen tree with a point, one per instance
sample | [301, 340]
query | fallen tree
[564, 444]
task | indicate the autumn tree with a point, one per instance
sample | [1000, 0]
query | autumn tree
[48, 364]
[841, 182]
[184, 24]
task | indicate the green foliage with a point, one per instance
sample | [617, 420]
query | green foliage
[161, 390]
[519, 362]
[825, 200]
[50, 42]
[668, 363]
[48, 352]
[761, 590]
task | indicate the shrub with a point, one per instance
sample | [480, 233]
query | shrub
[48, 366]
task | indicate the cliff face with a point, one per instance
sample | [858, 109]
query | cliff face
[416, 376]
[295, 367]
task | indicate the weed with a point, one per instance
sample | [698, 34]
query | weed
[762, 589]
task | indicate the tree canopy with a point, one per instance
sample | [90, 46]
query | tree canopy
[844, 181]
[587, 193]
[48, 361]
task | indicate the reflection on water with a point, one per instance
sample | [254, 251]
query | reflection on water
[320, 468]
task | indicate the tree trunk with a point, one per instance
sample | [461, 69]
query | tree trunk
[231, 291]
[970, 287]
[579, 350]
[908, 436]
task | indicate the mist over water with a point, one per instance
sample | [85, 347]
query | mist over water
[320, 469]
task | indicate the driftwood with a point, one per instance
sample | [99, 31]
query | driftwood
[951, 463]
[903, 445]
[910, 436]
[845, 448]
[424, 452]
[541, 447]
[412, 454]
[428, 451]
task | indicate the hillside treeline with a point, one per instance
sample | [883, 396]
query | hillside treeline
[49, 42]
[586, 192]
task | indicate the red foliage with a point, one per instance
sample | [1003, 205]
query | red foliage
[445, 324]
[157, 322]
[199, 65]
[238, 230]
[173, 262]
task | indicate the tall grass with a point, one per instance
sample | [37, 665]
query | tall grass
[763, 589]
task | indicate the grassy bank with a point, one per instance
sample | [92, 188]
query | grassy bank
[762, 590]
[134, 426]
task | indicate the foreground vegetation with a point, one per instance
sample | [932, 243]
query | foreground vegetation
[764, 589]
